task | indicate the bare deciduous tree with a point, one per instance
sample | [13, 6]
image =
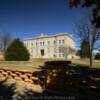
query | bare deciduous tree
[85, 30]
[5, 40]
[94, 4]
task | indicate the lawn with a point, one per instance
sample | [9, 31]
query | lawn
[35, 63]
[22, 65]
[96, 63]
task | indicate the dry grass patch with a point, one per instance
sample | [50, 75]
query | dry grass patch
[96, 63]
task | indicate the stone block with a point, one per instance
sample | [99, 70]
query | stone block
[13, 75]
[4, 73]
[18, 78]
[23, 76]
[9, 72]
[1, 71]
[9, 77]
[28, 80]
[18, 73]
[34, 78]
[29, 75]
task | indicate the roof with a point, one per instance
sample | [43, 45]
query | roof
[48, 36]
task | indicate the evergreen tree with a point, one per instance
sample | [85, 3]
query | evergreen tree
[16, 51]
[78, 52]
[97, 57]
[84, 49]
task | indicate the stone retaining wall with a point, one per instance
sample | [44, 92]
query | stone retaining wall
[18, 75]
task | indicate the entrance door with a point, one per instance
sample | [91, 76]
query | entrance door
[42, 52]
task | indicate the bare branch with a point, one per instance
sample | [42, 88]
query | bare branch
[5, 39]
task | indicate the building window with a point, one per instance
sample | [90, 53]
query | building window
[63, 49]
[43, 43]
[54, 41]
[48, 42]
[59, 41]
[63, 41]
[40, 43]
[60, 50]
[36, 43]
[42, 52]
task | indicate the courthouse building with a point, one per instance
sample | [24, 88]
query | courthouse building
[58, 46]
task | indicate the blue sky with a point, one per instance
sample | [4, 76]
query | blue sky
[29, 18]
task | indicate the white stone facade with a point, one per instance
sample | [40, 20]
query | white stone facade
[59, 46]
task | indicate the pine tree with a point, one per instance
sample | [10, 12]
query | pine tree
[16, 51]
[97, 57]
[84, 52]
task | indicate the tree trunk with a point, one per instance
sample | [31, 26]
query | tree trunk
[91, 60]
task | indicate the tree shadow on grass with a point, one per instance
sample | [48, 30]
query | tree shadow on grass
[75, 86]
[6, 92]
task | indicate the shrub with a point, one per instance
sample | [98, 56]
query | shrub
[16, 51]
[97, 57]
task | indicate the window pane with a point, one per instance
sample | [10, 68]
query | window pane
[54, 41]
[59, 41]
[63, 41]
